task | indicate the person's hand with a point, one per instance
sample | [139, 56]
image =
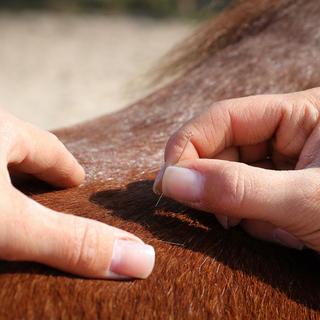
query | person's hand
[253, 161]
[32, 232]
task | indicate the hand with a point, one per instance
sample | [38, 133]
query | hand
[253, 161]
[32, 232]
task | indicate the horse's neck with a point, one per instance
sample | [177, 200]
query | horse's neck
[282, 57]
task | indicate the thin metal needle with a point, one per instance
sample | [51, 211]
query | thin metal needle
[159, 200]
[189, 136]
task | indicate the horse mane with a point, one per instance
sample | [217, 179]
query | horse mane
[240, 19]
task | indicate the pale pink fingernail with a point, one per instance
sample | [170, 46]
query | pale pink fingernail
[131, 260]
[286, 239]
[182, 184]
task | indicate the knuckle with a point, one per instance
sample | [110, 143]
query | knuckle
[300, 116]
[84, 247]
[233, 189]
[309, 115]
[306, 108]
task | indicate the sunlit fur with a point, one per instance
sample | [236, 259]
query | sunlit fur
[201, 270]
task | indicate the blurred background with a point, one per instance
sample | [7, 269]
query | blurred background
[62, 62]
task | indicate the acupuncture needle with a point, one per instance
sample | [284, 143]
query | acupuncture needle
[189, 136]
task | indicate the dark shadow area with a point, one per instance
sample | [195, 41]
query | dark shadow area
[29, 268]
[296, 274]
[30, 185]
[33, 268]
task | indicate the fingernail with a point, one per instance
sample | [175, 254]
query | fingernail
[157, 186]
[286, 239]
[131, 260]
[181, 184]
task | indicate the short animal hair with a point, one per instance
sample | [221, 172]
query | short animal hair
[202, 271]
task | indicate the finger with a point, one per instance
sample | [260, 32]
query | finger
[268, 232]
[74, 244]
[230, 154]
[40, 153]
[288, 119]
[247, 153]
[247, 121]
[238, 190]
[230, 222]
[310, 155]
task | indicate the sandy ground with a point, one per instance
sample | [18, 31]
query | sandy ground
[57, 70]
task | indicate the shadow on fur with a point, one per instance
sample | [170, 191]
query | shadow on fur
[297, 272]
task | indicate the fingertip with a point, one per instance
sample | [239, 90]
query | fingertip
[78, 176]
[131, 260]
[157, 186]
[183, 184]
[70, 176]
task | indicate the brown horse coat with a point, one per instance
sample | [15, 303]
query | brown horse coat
[202, 271]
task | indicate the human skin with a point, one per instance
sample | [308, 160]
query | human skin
[252, 161]
[32, 232]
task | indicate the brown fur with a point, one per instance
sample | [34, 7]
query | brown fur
[202, 271]
[239, 20]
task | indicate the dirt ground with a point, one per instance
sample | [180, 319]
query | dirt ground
[58, 69]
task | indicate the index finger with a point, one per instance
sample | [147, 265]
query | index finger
[31, 150]
[242, 122]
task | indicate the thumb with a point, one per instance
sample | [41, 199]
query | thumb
[237, 190]
[74, 244]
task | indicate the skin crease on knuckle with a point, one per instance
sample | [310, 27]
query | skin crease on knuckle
[232, 191]
[232, 185]
[85, 248]
[300, 120]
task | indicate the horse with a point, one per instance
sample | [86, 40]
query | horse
[202, 270]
